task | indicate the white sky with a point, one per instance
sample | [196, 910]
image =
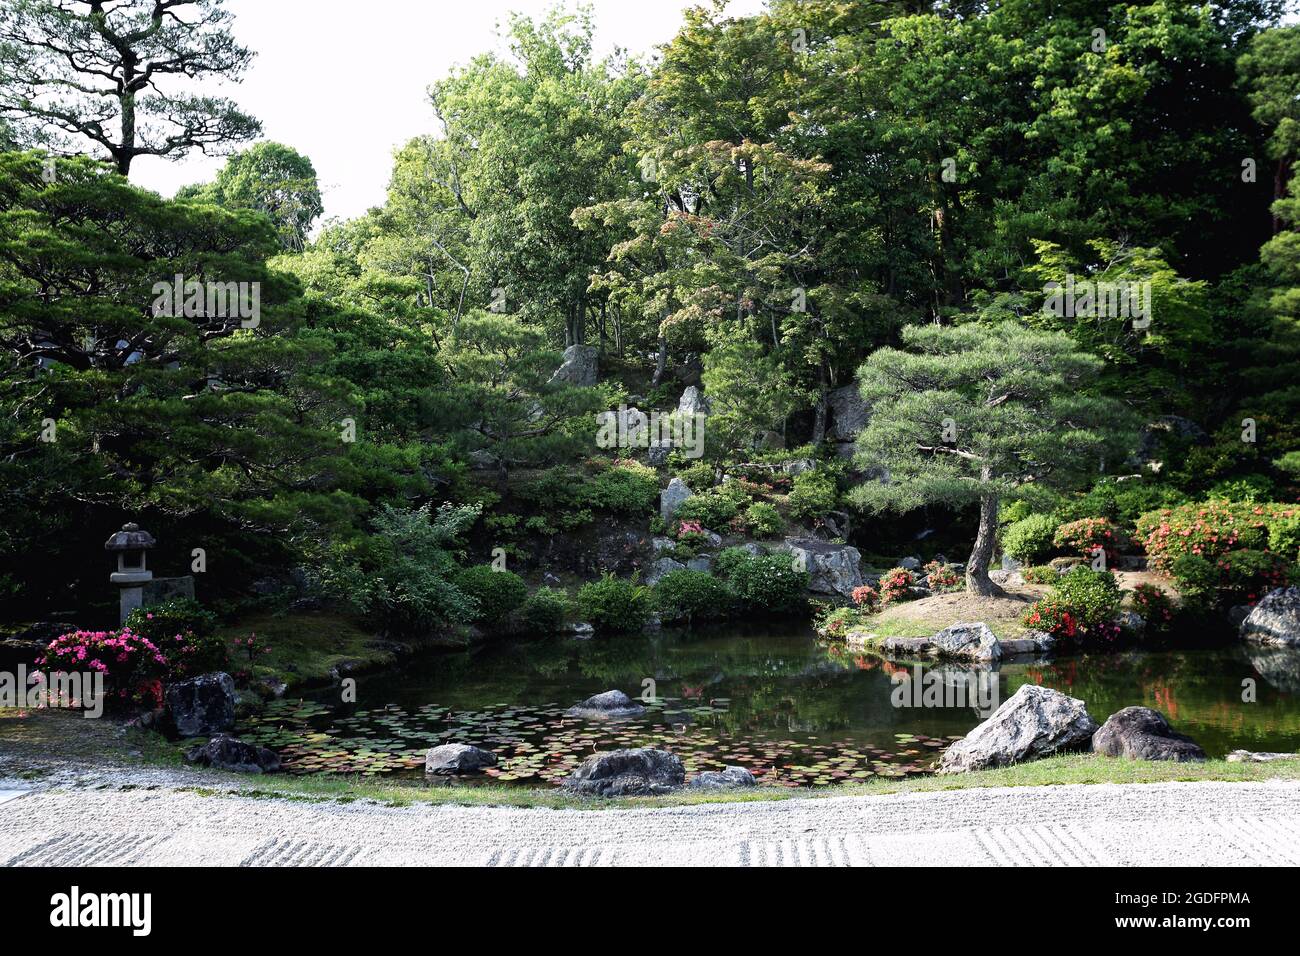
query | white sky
[343, 81]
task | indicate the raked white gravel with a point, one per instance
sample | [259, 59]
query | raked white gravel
[1180, 824]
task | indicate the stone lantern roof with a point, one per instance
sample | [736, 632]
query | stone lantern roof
[130, 538]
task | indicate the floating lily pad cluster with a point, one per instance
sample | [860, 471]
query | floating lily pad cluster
[541, 745]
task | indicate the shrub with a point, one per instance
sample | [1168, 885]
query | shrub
[626, 486]
[896, 585]
[134, 667]
[545, 610]
[1040, 574]
[1247, 575]
[1284, 537]
[612, 604]
[496, 593]
[1197, 580]
[1250, 488]
[1089, 535]
[770, 582]
[1121, 501]
[185, 632]
[763, 520]
[1154, 606]
[698, 477]
[939, 577]
[714, 509]
[401, 574]
[1208, 529]
[834, 621]
[688, 596]
[729, 559]
[1081, 607]
[866, 597]
[812, 495]
[1029, 539]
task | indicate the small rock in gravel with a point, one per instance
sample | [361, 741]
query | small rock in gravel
[224, 752]
[1251, 756]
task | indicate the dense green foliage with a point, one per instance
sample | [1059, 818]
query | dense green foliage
[884, 206]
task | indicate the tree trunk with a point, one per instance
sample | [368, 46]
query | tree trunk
[977, 566]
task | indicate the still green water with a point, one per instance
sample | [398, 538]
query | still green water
[795, 711]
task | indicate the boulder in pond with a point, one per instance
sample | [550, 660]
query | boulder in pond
[202, 706]
[731, 778]
[1275, 620]
[1141, 733]
[671, 498]
[644, 771]
[1033, 722]
[968, 642]
[224, 752]
[832, 568]
[457, 759]
[612, 703]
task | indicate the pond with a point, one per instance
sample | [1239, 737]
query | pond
[795, 711]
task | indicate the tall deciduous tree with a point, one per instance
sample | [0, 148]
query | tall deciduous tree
[273, 179]
[104, 71]
[971, 415]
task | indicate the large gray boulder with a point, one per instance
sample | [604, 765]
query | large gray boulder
[644, 771]
[457, 759]
[1275, 620]
[971, 641]
[671, 498]
[1141, 733]
[611, 703]
[580, 366]
[661, 566]
[731, 778]
[849, 413]
[1034, 722]
[968, 642]
[693, 402]
[832, 568]
[224, 752]
[202, 706]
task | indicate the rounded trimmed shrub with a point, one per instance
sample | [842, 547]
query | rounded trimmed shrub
[498, 593]
[687, 596]
[813, 495]
[613, 604]
[1029, 539]
[770, 583]
[545, 610]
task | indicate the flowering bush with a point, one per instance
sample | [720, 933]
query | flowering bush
[690, 533]
[133, 666]
[896, 585]
[1153, 606]
[1216, 550]
[1208, 530]
[939, 577]
[1087, 536]
[1081, 607]
[834, 622]
[186, 635]
[1040, 574]
[866, 597]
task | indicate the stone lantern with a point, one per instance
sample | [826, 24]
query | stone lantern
[131, 575]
